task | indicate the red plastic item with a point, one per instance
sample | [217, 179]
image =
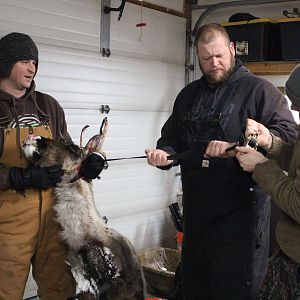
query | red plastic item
[140, 25]
[179, 237]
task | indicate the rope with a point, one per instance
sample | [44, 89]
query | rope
[141, 24]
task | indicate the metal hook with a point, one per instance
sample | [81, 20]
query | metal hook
[107, 9]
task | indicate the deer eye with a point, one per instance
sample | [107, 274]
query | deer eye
[42, 143]
[74, 149]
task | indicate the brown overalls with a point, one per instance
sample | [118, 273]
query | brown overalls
[29, 234]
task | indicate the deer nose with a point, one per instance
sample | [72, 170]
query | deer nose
[34, 137]
[29, 139]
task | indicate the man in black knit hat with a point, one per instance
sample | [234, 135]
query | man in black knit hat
[16, 47]
[29, 235]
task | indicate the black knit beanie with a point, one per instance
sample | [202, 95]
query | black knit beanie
[15, 47]
[292, 86]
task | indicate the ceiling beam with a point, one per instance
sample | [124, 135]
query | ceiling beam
[159, 8]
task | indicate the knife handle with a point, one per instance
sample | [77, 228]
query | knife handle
[172, 157]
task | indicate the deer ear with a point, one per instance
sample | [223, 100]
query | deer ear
[95, 143]
[92, 144]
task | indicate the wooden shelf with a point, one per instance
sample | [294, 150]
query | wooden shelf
[271, 68]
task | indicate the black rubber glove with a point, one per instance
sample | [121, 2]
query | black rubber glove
[92, 166]
[40, 178]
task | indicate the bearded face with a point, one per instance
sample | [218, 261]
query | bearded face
[218, 75]
[216, 59]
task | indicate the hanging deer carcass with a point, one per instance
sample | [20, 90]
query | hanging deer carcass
[103, 262]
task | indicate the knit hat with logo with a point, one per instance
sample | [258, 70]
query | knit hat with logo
[15, 47]
[292, 86]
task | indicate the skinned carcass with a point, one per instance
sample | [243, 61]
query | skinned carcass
[103, 262]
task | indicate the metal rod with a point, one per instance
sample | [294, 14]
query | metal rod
[188, 45]
[159, 8]
[123, 158]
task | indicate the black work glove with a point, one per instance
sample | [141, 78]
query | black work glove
[40, 178]
[92, 166]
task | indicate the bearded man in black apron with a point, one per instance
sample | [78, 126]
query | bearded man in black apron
[29, 235]
[226, 215]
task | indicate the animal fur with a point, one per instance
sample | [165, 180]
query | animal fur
[103, 262]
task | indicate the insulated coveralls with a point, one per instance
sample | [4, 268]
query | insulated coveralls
[226, 231]
[226, 215]
[29, 234]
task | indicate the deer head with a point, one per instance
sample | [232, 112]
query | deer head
[44, 152]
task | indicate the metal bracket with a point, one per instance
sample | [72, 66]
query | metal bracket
[108, 9]
[190, 67]
[105, 30]
[104, 109]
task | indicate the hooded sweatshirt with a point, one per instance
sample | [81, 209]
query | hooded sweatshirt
[33, 109]
[213, 193]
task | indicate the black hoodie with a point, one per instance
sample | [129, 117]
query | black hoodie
[219, 189]
[242, 95]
